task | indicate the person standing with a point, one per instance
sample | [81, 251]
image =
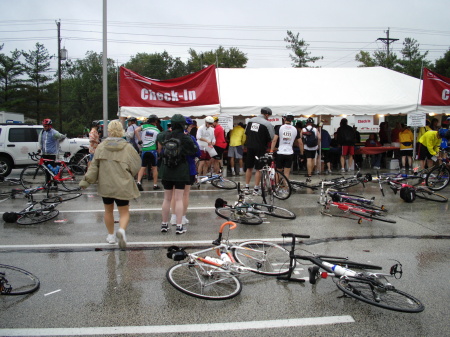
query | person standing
[310, 139]
[146, 136]
[259, 133]
[206, 140]
[376, 158]
[429, 146]
[94, 140]
[174, 179]
[130, 135]
[113, 168]
[286, 135]
[325, 144]
[221, 144]
[194, 129]
[406, 139]
[346, 139]
[236, 148]
[48, 144]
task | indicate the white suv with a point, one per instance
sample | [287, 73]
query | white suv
[17, 140]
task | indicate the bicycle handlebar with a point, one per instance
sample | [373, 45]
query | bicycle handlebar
[292, 235]
[219, 239]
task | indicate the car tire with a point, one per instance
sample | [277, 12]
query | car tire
[5, 166]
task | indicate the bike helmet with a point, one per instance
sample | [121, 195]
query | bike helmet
[266, 111]
[47, 121]
[95, 123]
[289, 117]
[178, 119]
[209, 119]
[132, 119]
[408, 193]
[216, 119]
[188, 120]
[310, 121]
[444, 133]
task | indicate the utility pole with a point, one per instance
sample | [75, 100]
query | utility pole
[58, 24]
[387, 41]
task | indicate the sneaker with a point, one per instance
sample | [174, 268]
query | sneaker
[241, 173]
[403, 169]
[376, 167]
[173, 220]
[246, 190]
[111, 239]
[317, 173]
[184, 220]
[350, 170]
[256, 192]
[156, 187]
[181, 229]
[342, 170]
[122, 238]
[164, 227]
[233, 173]
[139, 185]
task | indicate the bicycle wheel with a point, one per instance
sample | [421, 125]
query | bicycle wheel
[350, 264]
[386, 297]
[224, 183]
[275, 211]
[266, 188]
[17, 281]
[239, 216]
[370, 215]
[69, 180]
[346, 183]
[427, 194]
[61, 197]
[282, 188]
[205, 281]
[438, 178]
[37, 215]
[262, 257]
[33, 176]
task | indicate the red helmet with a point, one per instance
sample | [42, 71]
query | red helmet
[47, 121]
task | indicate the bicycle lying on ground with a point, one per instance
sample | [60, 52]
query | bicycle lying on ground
[438, 177]
[217, 180]
[17, 281]
[353, 207]
[249, 212]
[36, 175]
[410, 192]
[363, 285]
[216, 278]
[37, 211]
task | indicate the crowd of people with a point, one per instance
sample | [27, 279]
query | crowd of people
[119, 163]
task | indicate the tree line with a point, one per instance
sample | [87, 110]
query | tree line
[26, 86]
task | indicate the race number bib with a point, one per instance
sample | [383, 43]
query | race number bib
[255, 127]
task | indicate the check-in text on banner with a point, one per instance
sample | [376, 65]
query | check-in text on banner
[196, 89]
[435, 89]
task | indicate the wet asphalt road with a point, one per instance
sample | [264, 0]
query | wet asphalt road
[89, 287]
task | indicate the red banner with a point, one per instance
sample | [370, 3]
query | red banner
[196, 89]
[435, 89]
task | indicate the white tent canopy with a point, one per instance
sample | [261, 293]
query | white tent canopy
[308, 91]
[320, 91]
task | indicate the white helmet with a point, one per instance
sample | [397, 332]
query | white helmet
[209, 119]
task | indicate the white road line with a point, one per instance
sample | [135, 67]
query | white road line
[129, 244]
[158, 329]
[53, 292]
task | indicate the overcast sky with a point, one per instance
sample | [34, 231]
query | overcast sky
[336, 30]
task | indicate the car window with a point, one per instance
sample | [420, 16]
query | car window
[19, 135]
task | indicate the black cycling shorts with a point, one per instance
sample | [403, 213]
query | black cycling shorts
[119, 203]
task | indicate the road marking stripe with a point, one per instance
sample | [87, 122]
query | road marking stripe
[53, 292]
[130, 244]
[158, 329]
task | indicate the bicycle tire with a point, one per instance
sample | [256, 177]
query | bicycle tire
[438, 178]
[427, 194]
[70, 182]
[298, 184]
[265, 258]
[61, 198]
[204, 281]
[371, 216]
[266, 189]
[278, 212]
[232, 214]
[350, 264]
[17, 281]
[346, 184]
[283, 188]
[79, 161]
[33, 176]
[37, 215]
[364, 290]
[224, 183]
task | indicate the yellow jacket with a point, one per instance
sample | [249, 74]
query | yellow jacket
[431, 141]
[237, 136]
[406, 139]
[422, 131]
